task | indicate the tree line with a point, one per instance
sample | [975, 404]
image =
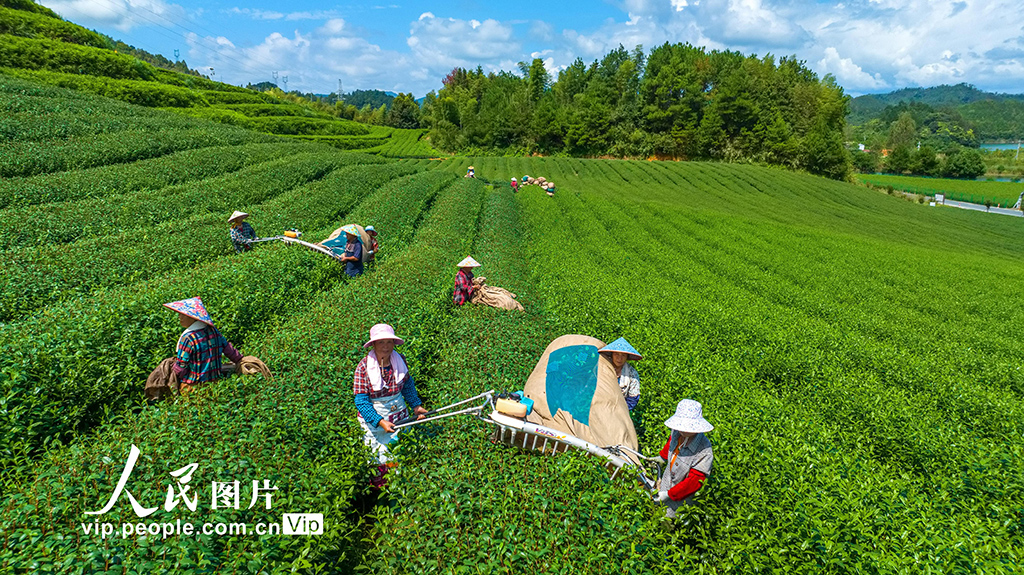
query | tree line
[680, 101]
[912, 145]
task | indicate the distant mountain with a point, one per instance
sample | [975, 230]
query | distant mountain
[991, 116]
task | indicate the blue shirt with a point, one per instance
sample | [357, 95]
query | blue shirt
[355, 250]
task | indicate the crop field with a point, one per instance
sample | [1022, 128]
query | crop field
[1001, 194]
[858, 355]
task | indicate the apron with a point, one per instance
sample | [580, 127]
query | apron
[391, 408]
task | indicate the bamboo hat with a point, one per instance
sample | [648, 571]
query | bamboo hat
[469, 262]
[237, 216]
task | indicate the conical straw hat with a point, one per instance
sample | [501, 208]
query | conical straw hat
[469, 262]
[237, 215]
[192, 307]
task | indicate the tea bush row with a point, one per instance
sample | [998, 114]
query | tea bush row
[290, 125]
[254, 110]
[138, 92]
[151, 174]
[37, 277]
[297, 430]
[362, 143]
[34, 25]
[57, 56]
[1002, 194]
[102, 347]
[75, 221]
[730, 313]
[248, 97]
[22, 159]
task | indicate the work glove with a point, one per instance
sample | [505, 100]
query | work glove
[661, 497]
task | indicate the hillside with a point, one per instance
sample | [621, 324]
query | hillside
[37, 45]
[852, 350]
[993, 117]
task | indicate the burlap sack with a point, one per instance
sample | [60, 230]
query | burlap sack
[605, 422]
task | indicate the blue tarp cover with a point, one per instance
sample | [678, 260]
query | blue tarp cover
[571, 380]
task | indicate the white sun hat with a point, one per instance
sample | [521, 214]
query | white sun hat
[237, 215]
[469, 262]
[689, 418]
[383, 331]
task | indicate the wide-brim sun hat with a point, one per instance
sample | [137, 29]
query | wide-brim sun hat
[192, 307]
[622, 346]
[350, 229]
[471, 168]
[383, 331]
[469, 262]
[237, 215]
[369, 229]
[689, 418]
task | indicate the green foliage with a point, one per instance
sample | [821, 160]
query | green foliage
[40, 276]
[29, 6]
[259, 110]
[900, 160]
[141, 93]
[308, 126]
[152, 174]
[219, 115]
[57, 56]
[38, 25]
[119, 324]
[217, 97]
[1002, 194]
[113, 214]
[866, 162]
[346, 142]
[404, 113]
[679, 101]
[964, 163]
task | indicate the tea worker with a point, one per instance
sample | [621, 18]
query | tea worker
[353, 256]
[242, 233]
[619, 352]
[464, 281]
[200, 346]
[688, 456]
[515, 185]
[470, 172]
[372, 233]
[384, 392]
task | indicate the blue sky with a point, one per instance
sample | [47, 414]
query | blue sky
[868, 45]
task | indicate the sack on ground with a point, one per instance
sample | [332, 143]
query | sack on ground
[252, 365]
[494, 296]
[162, 382]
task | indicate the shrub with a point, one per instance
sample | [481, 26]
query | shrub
[150, 94]
[261, 110]
[38, 25]
[309, 126]
[151, 174]
[249, 97]
[57, 56]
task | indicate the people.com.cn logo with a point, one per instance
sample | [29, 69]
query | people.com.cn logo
[303, 524]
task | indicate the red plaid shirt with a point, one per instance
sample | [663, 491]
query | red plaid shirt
[463, 287]
[361, 382]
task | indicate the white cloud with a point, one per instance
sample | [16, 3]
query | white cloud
[257, 14]
[123, 15]
[849, 74]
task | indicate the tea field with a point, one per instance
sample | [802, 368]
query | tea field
[1001, 194]
[858, 355]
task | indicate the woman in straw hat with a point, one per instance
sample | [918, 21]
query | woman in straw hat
[353, 256]
[470, 172]
[200, 346]
[464, 281]
[384, 392]
[242, 233]
[688, 455]
[619, 352]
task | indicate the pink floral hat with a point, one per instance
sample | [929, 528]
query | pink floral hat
[192, 307]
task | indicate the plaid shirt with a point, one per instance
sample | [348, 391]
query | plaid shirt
[361, 382]
[199, 353]
[241, 235]
[463, 287]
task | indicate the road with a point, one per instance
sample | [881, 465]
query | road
[981, 208]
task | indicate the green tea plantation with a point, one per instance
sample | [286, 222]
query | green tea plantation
[858, 355]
